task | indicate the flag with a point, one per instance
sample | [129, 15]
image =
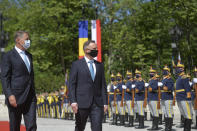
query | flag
[83, 36]
[96, 36]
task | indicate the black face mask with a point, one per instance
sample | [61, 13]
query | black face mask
[151, 75]
[137, 76]
[93, 53]
[112, 79]
[118, 79]
[179, 70]
[128, 77]
[165, 73]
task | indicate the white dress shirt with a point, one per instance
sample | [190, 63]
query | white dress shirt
[22, 53]
[94, 66]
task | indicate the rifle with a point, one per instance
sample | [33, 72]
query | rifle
[174, 98]
[114, 98]
[122, 99]
[114, 95]
[133, 95]
[195, 101]
[108, 98]
[159, 97]
[146, 95]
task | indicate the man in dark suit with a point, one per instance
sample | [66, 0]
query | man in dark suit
[18, 84]
[87, 89]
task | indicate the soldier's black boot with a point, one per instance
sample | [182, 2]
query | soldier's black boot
[113, 120]
[145, 116]
[116, 119]
[126, 117]
[181, 123]
[71, 116]
[151, 117]
[195, 127]
[66, 116]
[141, 122]
[130, 124]
[187, 125]
[155, 124]
[121, 120]
[170, 123]
[136, 118]
[160, 119]
[104, 118]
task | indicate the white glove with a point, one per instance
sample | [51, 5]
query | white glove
[115, 87]
[195, 80]
[146, 84]
[124, 87]
[133, 86]
[160, 84]
[108, 88]
[190, 83]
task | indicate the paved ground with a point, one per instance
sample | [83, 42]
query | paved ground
[45, 124]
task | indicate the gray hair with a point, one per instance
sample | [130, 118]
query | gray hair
[87, 43]
[19, 34]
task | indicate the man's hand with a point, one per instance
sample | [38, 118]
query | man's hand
[105, 108]
[150, 89]
[165, 88]
[136, 90]
[12, 101]
[74, 107]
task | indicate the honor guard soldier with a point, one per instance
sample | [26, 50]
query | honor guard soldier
[50, 108]
[159, 99]
[194, 95]
[139, 98]
[153, 99]
[66, 103]
[46, 104]
[112, 100]
[129, 98]
[120, 96]
[60, 101]
[38, 106]
[183, 96]
[42, 105]
[167, 88]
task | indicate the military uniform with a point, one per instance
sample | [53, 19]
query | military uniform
[38, 106]
[167, 98]
[128, 99]
[194, 99]
[50, 108]
[112, 101]
[46, 105]
[42, 106]
[183, 96]
[153, 99]
[139, 98]
[120, 103]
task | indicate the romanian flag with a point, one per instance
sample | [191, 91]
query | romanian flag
[83, 36]
[96, 36]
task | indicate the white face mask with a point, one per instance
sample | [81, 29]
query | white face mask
[27, 44]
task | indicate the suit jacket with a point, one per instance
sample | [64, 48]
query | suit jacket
[82, 89]
[16, 80]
